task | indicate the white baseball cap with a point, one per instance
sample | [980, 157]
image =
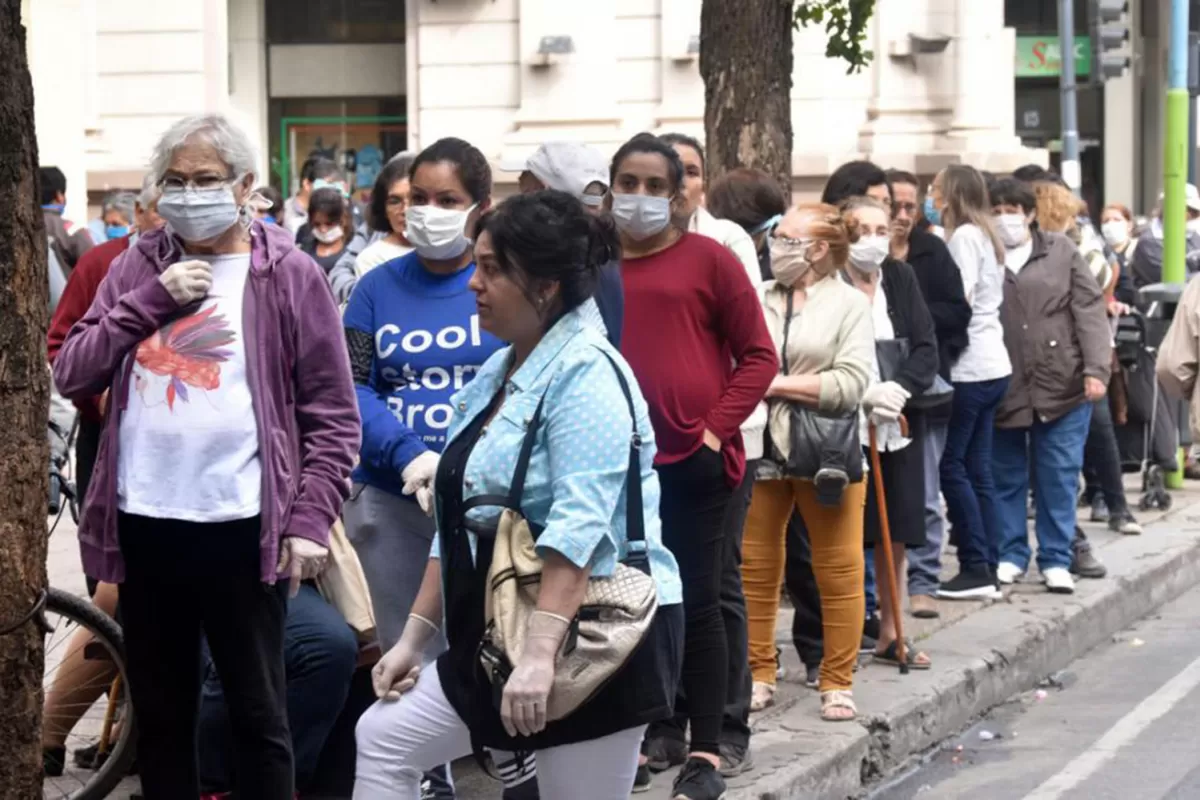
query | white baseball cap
[566, 166]
[1191, 197]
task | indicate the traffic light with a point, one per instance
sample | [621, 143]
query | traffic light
[1109, 27]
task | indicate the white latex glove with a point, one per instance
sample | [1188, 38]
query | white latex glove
[419, 474]
[523, 706]
[398, 670]
[425, 499]
[303, 559]
[187, 281]
[887, 398]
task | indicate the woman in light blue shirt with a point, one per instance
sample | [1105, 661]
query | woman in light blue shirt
[538, 259]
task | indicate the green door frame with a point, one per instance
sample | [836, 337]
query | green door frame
[285, 122]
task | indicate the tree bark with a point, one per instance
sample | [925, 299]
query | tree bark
[24, 406]
[746, 63]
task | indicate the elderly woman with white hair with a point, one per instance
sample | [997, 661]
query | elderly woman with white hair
[224, 457]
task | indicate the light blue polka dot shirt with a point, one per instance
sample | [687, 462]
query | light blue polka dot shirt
[575, 487]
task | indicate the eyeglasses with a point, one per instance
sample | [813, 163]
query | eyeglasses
[203, 181]
[911, 208]
[396, 201]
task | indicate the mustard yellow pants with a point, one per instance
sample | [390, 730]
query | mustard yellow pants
[836, 534]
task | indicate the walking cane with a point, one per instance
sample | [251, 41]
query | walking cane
[885, 537]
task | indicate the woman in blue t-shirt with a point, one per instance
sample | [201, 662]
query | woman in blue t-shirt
[414, 338]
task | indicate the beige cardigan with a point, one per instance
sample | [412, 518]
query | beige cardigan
[831, 335]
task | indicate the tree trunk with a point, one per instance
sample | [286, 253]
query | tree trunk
[24, 406]
[746, 63]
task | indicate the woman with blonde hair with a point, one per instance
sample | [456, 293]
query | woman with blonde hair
[822, 331]
[980, 377]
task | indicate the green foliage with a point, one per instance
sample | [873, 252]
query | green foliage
[845, 24]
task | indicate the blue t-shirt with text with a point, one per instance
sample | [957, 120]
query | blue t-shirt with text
[427, 345]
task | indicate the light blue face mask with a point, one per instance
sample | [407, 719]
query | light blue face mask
[766, 224]
[930, 212]
[321, 183]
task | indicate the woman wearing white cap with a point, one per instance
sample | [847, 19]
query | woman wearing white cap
[581, 171]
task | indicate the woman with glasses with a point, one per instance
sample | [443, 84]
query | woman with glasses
[389, 202]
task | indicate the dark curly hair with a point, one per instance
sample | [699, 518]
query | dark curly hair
[327, 201]
[549, 236]
[649, 143]
[470, 165]
[854, 178]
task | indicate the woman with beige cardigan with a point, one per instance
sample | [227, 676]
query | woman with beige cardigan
[822, 330]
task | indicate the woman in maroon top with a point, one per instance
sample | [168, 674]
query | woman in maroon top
[695, 337]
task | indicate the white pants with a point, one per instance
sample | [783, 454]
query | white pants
[398, 741]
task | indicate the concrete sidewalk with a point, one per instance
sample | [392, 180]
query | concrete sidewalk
[983, 653]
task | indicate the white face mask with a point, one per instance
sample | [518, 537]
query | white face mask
[1013, 229]
[789, 261]
[641, 216]
[1115, 232]
[437, 233]
[199, 215]
[1193, 225]
[868, 253]
[329, 236]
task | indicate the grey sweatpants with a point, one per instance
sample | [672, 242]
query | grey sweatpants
[392, 536]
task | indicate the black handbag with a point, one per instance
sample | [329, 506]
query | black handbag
[819, 439]
[890, 355]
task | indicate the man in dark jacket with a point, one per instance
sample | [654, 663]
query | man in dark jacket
[941, 285]
[68, 245]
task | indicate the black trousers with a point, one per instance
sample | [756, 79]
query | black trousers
[87, 445]
[1102, 460]
[735, 726]
[695, 496]
[807, 632]
[182, 580]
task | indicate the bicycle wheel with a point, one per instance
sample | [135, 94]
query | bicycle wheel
[86, 704]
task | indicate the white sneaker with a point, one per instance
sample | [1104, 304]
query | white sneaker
[1008, 572]
[1059, 580]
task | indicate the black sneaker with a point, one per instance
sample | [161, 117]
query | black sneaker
[970, 585]
[1099, 509]
[812, 675]
[663, 752]
[643, 779]
[698, 780]
[870, 634]
[735, 759]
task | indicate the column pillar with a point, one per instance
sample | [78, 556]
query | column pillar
[984, 79]
[247, 77]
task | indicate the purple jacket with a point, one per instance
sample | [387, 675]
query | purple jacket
[296, 364]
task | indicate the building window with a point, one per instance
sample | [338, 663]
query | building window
[334, 21]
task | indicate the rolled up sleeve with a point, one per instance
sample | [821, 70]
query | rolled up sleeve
[588, 429]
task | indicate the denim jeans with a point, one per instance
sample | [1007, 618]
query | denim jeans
[870, 588]
[319, 655]
[966, 472]
[1057, 448]
[925, 563]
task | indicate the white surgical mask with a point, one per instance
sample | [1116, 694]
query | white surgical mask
[1013, 229]
[641, 216]
[1193, 225]
[789, 261]
[199, 215]
[1115, 232]
[330, 235]
[868, 253]
[437, 233]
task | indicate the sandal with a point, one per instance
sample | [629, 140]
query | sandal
[837, 699]
[916, 659]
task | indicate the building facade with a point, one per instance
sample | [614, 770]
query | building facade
[362, 79]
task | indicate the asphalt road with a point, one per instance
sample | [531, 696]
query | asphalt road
[1123, 723]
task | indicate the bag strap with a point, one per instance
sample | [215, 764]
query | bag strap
[635, 519]
[518, 482]
[787, 329]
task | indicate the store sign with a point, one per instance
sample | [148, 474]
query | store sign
[1040, 56]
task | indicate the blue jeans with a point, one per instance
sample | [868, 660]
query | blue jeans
[966, 472]
[319, 653]
[1057, 450]
[870, 588]
[925, 563]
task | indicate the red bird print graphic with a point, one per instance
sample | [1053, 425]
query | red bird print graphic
[187, 352]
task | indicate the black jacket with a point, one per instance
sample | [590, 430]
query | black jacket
[942, 289]
[911, 320]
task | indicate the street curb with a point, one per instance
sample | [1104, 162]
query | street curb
[1026, 639]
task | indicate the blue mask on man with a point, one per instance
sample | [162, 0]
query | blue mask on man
[931, 213]
[116, 231]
